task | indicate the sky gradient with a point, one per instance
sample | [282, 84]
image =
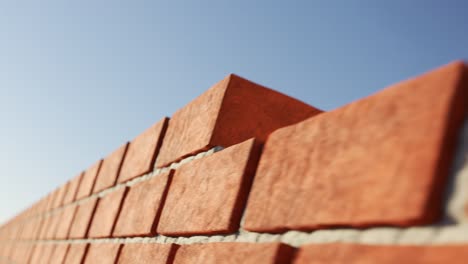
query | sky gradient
[79, 78]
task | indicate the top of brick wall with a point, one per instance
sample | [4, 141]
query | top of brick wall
[241, 151]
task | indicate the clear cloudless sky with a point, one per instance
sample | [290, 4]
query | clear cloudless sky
[79, 78]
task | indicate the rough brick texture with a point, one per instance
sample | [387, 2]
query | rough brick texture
[87, 182]
[230, 112]
[66, 219]
[382, 160]
[107, 212]
[82, 220]
[142, 207]
[76, 253]
[110, 169]
[215, 205]
[370, 254]
[147, 253]
[142, 152]
[58, 256]
[246, 253]
[102, 253]
[72, 189]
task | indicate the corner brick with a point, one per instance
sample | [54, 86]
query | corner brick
[106, 214]
[110, 169]
[381, 160]
[102, 253]
[88, 180]
[245, 253]
[82, 220]
[66, 219]
[59, 254]
[230, 112]
[147, 253]
[72, 189]
[142, 152]
[382, 254]
[76, 254]
[207, 196]
[142, 207]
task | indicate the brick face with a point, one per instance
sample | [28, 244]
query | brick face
[142, 207]
[110, 169]
[87, 182]
[82, 220]
[233, 253]
[215, 205]
[76, 254]
[66, 218]
[230, 112]
[142, 152]
[390, 254]
[59, 253]
[102, 253]
[72, 189]
[378, 161]
[107, 212]
[147, 253]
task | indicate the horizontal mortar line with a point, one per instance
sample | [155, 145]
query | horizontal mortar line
[144, 177]
[427, 235]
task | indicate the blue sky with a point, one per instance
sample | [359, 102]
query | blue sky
[79, 78]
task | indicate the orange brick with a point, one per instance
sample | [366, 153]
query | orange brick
[72, 189]
[106, 214]
[102, 253]
[230, 112]
[207, 195]
[66, 219]
[142, 152]
[147, 253]
[142, 207]
[383, 254]
[76, 253]
[88, 180]
[58, 256]
[42, 253]
[52, 225]
[82, 219]
[60, 195]
[245, 253]
[381, 160]
[110, 169]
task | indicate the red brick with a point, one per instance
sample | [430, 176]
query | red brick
[107, 212]
[383, 254]
[230, 112]
[52, 226]
[59, 254]
[381, 160]
[88, 180]
[102, 253]
[142, 207]
[245, 253]
[147, 253]
[207, 195]
[110, 169]
[142, 152]
[72, 189]
[42, 253]
[22, 252]
[82, 219]
[60, 195]
[66, 219]
[76, 254]
[46, 222]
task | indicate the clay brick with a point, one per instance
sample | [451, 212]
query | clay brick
[52, 225]
[245, 253]
[147, 253]
[381, 160]
[72, 189]
[76, 253]
[142, 207]
[66, 219]
[230, 112]
[22, 253]
[106, 214]
[110, 169]
[207, 195]
[88, 180]
[58, 256]
[42, 253]
[103, 253]
[82, 219]
[45, 225]
[60, 195]
[382, 254]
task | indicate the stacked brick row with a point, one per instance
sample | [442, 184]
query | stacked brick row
[380, 161]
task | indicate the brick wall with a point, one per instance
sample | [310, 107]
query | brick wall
[244, 174]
